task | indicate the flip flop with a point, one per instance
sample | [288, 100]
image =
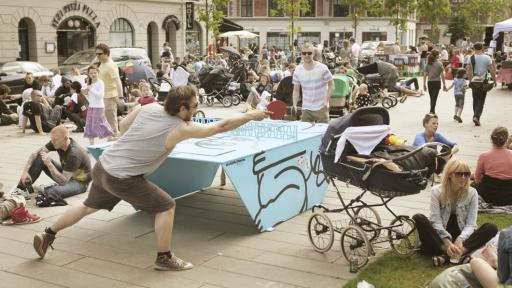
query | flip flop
[465, 259]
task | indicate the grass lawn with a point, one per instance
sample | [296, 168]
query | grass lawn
[393, 271]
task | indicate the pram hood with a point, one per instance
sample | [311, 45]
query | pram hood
[366, 116]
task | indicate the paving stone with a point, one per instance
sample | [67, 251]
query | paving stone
[14, 280]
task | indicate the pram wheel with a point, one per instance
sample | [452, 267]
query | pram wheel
[209, 100]
[199, 114]
[320, 232]
[355, 243]
[404, 239]
[388, 102]
[236, 99]
[369, 220]
[227, 101]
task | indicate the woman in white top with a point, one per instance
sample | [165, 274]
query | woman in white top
[96, 124]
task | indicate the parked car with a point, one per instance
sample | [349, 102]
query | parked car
[13, 73]
[369, 48]
[83, 59]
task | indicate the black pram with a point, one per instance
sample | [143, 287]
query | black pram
[408, 174]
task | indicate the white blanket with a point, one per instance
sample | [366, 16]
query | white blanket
[363, 138]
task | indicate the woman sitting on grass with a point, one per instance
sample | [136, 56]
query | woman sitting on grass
[450, 233]
[493, 174]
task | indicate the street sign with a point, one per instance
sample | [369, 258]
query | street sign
[189, 10]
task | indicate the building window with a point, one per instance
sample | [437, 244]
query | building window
[339, 9]
[375, 36]
[312, 10]
[311, 37]
[246, 8]
[272, 9]
[121, 33]
[280, 40]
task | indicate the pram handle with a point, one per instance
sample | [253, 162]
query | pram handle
[429, 144]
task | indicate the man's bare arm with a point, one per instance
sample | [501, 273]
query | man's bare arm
[31, 159]
[196, 130]
[39, 125]
[296, 92]
[330, 89]
[127, 122]
[60, 178]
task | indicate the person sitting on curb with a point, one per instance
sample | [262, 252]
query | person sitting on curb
[451, 232]
[72, 174]
[7, 117]
[119, 173]
[42, 117]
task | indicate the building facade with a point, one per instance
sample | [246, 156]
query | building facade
[327, 22]
[49, 32]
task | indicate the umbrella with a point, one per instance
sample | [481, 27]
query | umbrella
[136, 71]
[241, 34]
[230, 50]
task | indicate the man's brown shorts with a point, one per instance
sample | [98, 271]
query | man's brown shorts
[106, 191]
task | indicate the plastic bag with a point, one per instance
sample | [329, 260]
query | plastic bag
[364, 284]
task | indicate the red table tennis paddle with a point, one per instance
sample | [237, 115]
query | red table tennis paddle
[278, 108]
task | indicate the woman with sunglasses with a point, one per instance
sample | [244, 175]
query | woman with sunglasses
[451, 233]
[493, 173]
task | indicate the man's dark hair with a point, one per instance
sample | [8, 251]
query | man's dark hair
[478, 46]
[499, 136]
[103, 47]
[179, 96]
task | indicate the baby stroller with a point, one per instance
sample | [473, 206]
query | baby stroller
[359, 131]
[375, 81]
[217, 84]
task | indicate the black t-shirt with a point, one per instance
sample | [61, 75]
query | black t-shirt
[74, 159]
[32, 109]
[4, 110]
[35, 85]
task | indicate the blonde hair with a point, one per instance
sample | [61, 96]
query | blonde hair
[363, 88]
[307, 45]
[450, 167]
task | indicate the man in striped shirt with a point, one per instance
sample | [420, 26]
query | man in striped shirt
[317, 86]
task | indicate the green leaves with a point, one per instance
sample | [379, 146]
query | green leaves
[213, 15]
[433, 10]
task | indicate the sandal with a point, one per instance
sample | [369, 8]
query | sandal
[20, 216]
[439, 261]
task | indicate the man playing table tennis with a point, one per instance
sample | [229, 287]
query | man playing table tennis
[149, 134]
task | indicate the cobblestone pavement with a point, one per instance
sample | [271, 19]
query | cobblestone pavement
[212, 228]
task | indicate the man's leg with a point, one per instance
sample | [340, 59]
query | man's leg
[79, 121]
[69, 189]
[111, 114]
[163, 229]
[70, 217]
[36, 168]
[481, 103]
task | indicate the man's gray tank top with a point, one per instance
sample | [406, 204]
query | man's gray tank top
[141, 150]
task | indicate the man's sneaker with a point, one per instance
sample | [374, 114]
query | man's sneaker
[172, 263]
[41, 243]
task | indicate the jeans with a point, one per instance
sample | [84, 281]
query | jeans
[433, 91]
[355, 63]
[412, 81]
[479, 95]
[72, 187]
[431, 242]
[505, 256]
[77, 119]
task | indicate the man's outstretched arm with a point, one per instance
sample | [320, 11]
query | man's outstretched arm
[196, 130]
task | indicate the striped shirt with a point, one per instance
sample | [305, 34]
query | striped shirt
[314, 85]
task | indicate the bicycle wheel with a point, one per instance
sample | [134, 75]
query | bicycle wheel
[227, 101]
[320, 232]
[369, 220]
[403, 239]
[387, 102]
[354, 243]
[395, 100]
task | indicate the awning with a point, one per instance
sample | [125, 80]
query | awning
[228, 25]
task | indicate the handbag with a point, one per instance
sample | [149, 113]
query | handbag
[479, 82]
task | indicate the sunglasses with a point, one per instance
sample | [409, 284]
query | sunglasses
[462, 174]
[307, 53]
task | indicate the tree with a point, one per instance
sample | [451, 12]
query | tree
[291, 8]
[459, 27]
[212, 16]
[481, 12]
[358, 8]
[433, 10]
[399, 12]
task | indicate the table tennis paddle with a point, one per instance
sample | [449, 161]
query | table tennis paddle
[278, 109]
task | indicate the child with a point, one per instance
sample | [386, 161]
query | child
[147, 95]
[363, 99]
[96, 124]
[460, 90]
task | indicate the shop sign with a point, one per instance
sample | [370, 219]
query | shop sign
[189, 10]
[75, 7]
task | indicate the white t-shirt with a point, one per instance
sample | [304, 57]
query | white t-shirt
[314, 85]
[95, 95]
[355, 50]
